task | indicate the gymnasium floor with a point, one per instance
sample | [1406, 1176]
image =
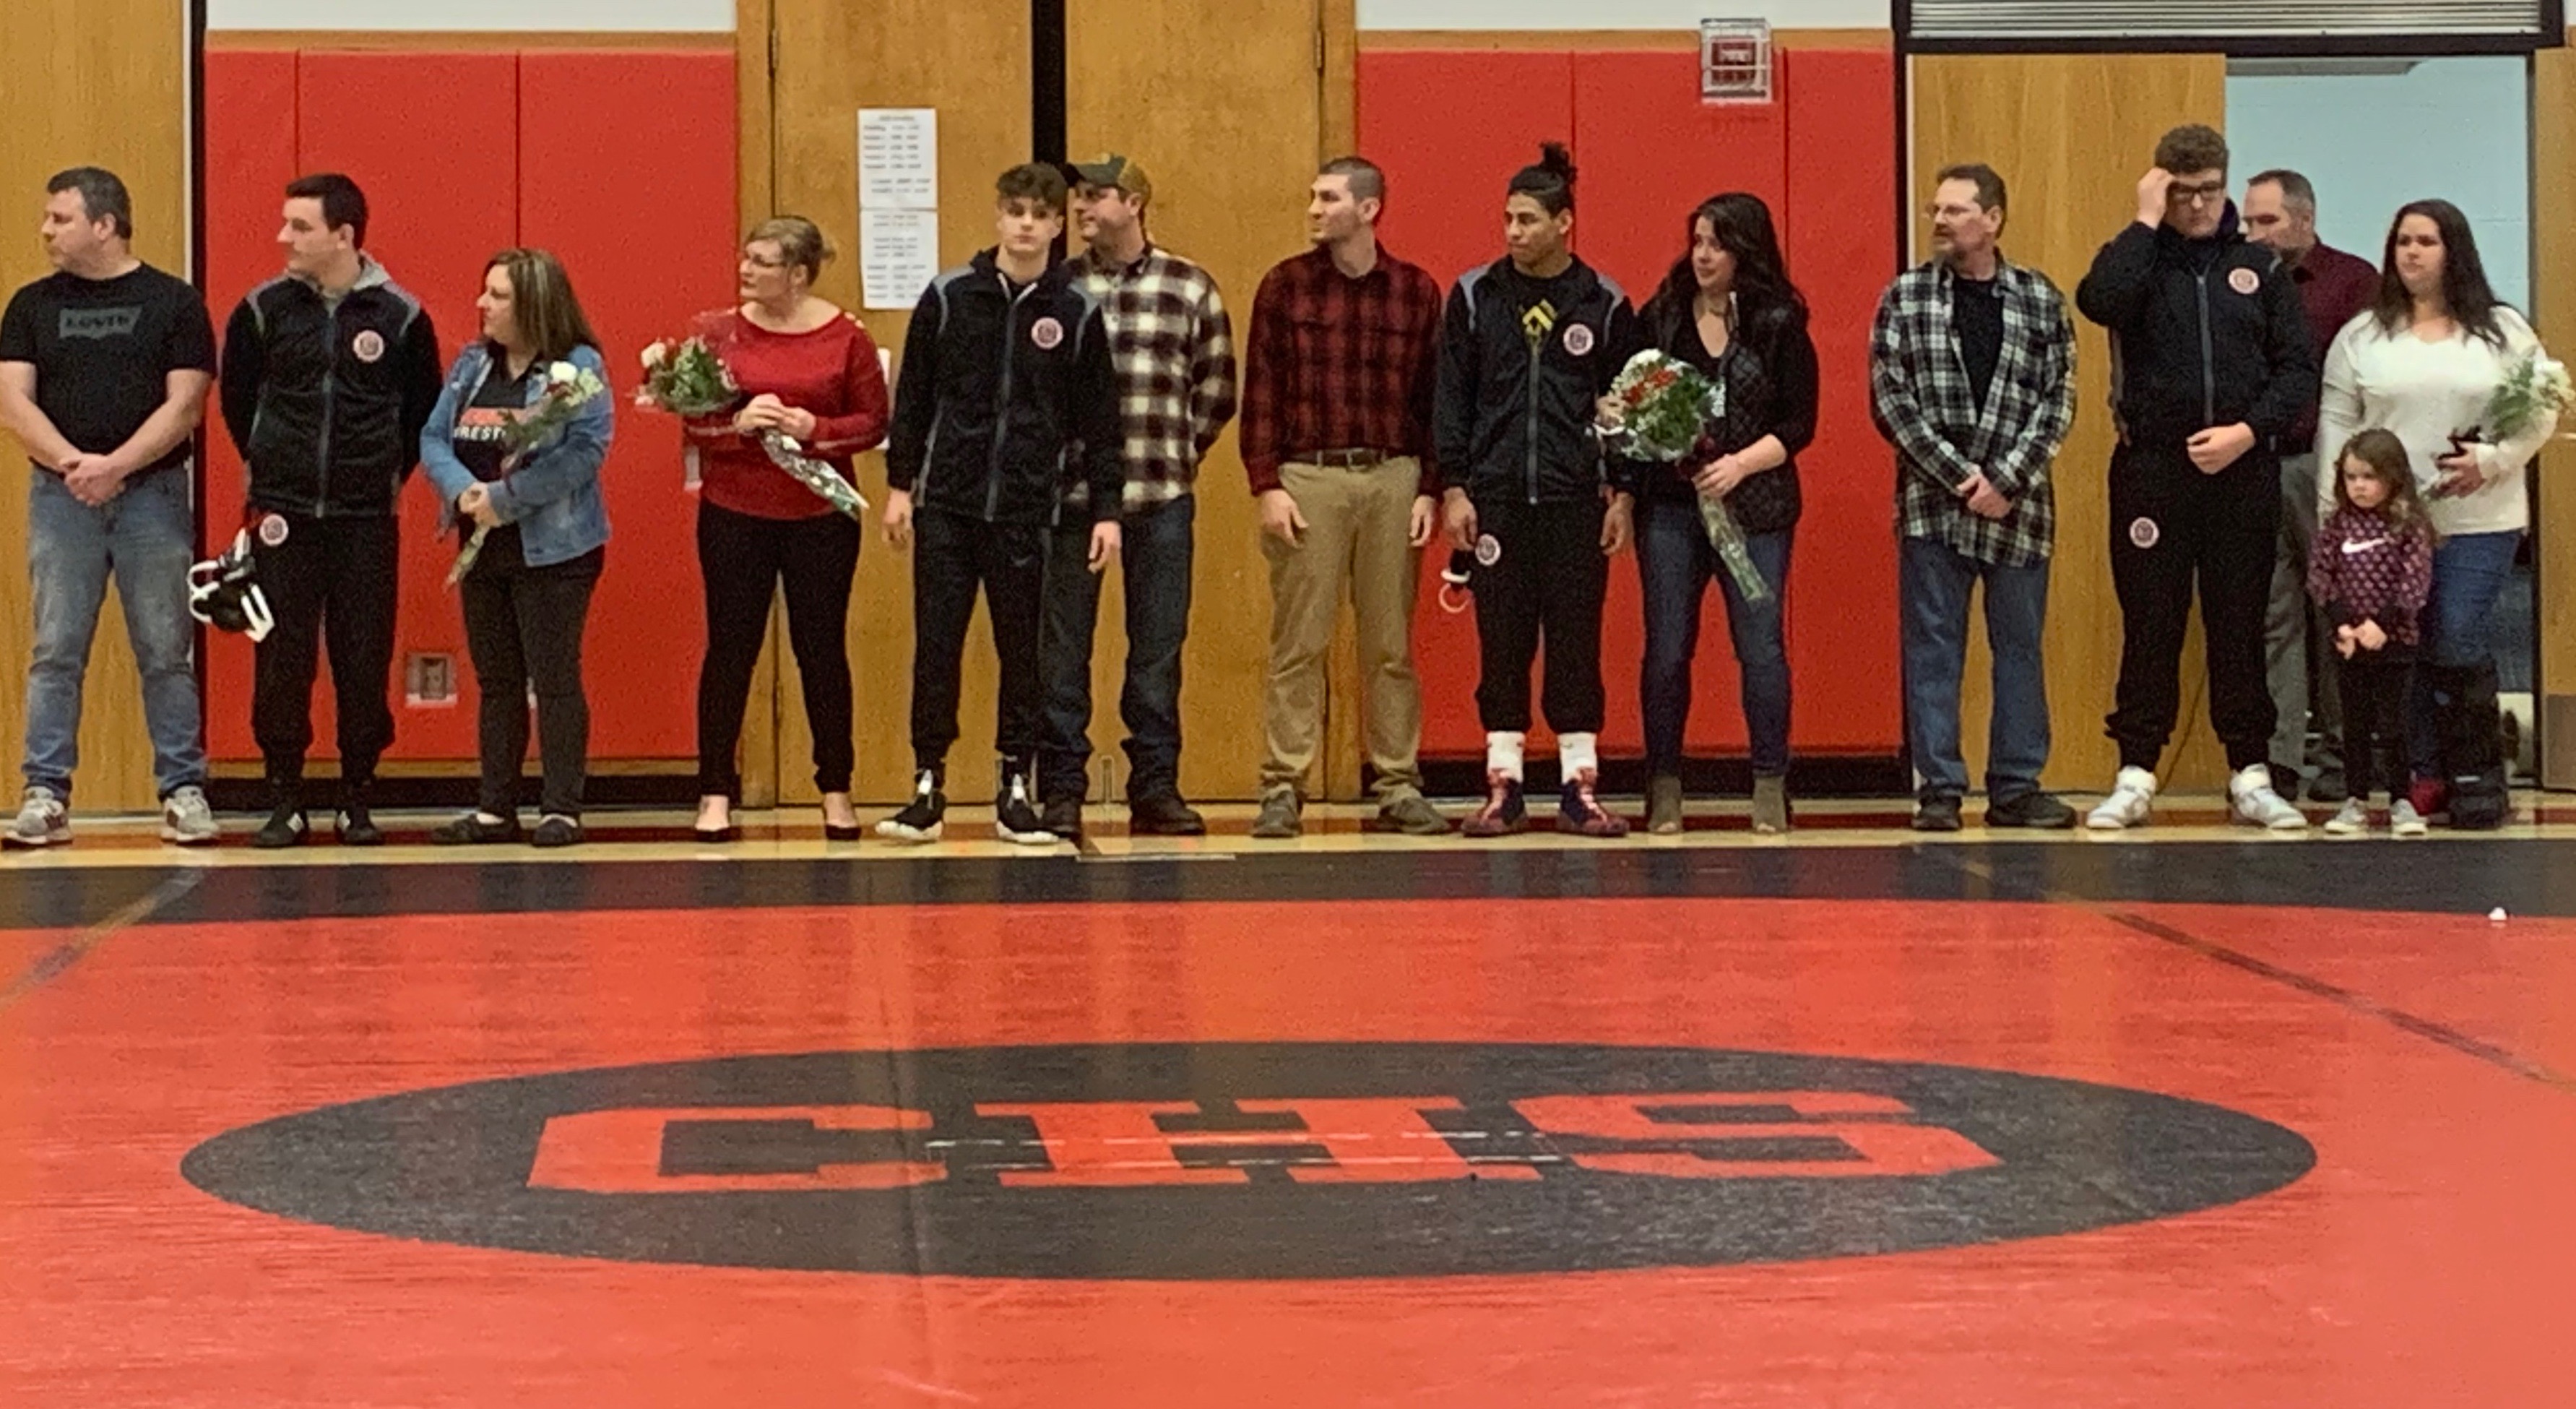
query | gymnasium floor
[1857, 1119]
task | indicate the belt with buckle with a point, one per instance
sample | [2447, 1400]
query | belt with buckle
[1357, 458]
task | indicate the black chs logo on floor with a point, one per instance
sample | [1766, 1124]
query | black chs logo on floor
[1250, 1160]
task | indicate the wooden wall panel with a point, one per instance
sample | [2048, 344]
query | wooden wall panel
[100, 83]
[970, 60]
[2071, 134]
[1231, 138]
[2553, 296]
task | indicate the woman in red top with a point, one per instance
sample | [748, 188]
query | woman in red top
[812, 372]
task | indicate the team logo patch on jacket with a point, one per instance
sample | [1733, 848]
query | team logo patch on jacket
[368, 345]
[1047, 333]
[1578, 340]
[2244, 281]
[2143, 532]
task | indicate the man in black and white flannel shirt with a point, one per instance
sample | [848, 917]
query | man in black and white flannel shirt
[1174, 350]
[1972, 375]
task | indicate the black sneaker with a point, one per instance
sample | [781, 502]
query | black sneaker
[285, 827]
[924, 819]
[357, 824]
[1015, 820]
[1164, 815]
[1939, 813]
[1063, 816]
[2036, 810]
[475, 829]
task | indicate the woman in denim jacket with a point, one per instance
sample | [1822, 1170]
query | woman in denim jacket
[545, 530]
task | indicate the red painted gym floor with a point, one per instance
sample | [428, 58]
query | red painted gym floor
[2304, 1114]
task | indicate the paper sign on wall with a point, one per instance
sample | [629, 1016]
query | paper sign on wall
[898, 158]
[898, 255]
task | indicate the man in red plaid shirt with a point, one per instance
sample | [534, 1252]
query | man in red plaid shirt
[1174, 351]
[1338, 377]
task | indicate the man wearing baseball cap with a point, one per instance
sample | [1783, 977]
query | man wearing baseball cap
[1173, 348]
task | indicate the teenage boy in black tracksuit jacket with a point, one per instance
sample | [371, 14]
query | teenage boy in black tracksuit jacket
[329, 373]
[2212, 365]
[1007, 395]
[1528, 345]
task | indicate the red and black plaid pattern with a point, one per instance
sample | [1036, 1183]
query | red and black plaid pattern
[1173, 347]
[1336, 363]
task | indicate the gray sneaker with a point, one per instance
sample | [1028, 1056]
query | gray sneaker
[187, 820]
[1411, 814]
[42, 821]
[1278, 820]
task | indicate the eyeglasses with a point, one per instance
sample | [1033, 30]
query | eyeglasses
[2196, 195]
[1952, 212]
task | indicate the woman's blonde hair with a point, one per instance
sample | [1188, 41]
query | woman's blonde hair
[800, 241]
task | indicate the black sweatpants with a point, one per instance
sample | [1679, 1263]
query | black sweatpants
[2374, 686]
[524, 627]
[331, 582]
[1548, 585]
[743, 560]
[953, 556]
[2174, 528]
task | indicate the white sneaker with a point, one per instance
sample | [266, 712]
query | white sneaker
[2250, 799]
[2403, 819]
[187, 820]
[2133, 796]
[2352, 821]
[42, 821]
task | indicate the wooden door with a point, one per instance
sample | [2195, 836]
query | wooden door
[2071, 134]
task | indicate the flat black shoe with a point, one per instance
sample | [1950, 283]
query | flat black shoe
[1164, 815]
[1063, 816]
[357, 826]
[715, 835]
[2036, 810]
[1937, 814]
[831, 832]
[472, 830]
[555, 830]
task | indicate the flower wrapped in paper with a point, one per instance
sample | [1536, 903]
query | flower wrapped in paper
[688, 377]
[567, 389]
[1660, 409]
[2535, 388]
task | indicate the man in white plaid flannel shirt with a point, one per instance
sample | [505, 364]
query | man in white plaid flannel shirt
[1174, 350]
[1972, 375]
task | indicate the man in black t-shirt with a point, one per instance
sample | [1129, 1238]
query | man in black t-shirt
[104, 367]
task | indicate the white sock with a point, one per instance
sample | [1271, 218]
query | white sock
[1578, 754]
[1503, 753]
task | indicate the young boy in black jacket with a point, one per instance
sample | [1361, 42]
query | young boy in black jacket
[1006, 389]
[1528, 346]
[329, 372]
[2213, 366]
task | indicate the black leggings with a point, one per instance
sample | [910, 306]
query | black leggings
[524, 627]
[743, 560]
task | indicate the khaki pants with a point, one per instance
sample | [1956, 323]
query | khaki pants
[1357, 523]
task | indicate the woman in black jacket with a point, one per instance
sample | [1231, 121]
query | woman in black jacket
[1728, 308]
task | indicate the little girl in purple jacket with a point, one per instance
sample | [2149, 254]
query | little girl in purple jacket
[2371, 569]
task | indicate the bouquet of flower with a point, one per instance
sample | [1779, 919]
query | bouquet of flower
[688, 377]
[567, 389]
[2533, 389]
[1659, 409]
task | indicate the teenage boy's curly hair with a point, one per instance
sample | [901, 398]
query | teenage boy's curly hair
[2192, 148]
[1033, 181]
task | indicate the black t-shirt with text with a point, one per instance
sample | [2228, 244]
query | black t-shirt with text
[103, 350]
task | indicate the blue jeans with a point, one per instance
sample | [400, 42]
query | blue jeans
[1155, 553]
[1674, 565]
[2469, 573]
[1934, 581]
[145, 537]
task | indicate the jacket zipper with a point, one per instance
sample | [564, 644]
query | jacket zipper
[2208, 376]
[1530, 439]
[322, 441]
[1002, 403]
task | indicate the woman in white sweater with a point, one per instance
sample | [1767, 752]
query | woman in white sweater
[2423, 363]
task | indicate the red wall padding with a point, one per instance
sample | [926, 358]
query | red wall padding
[624, 177]
[1450, 128]
[624, 164]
